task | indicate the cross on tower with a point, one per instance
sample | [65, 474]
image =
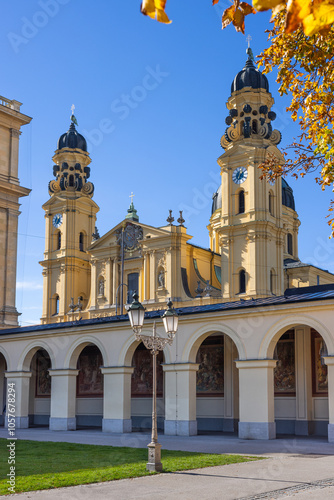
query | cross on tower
[72, 109]
[131, 196]
[249, 38]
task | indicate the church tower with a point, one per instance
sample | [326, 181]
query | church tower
[70, 215]
[248, 225]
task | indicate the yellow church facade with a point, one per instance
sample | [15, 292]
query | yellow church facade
[254, 352]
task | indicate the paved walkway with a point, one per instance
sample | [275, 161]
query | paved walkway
[299, 468]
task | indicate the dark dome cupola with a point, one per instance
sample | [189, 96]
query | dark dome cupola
[71, 164]
[249, 76]
[72, 139]
[250, 115]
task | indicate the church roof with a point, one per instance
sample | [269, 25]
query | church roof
[250, 76]
[291, 295]
[72, 139]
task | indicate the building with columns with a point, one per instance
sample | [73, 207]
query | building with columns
[11, 121]
[254, 352]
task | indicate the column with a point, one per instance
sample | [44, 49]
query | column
[180, 399]
[14, 155]
[228, 422]
[256, 386]
[108, 284]
[117, 399]
[21, 383]
[93, 285]
[303, 424]
[114, 279]
[152, 276]
[63, 399]
[146, 277]
[329, 360]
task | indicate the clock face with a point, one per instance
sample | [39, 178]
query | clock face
[239, 175]
[57, 220]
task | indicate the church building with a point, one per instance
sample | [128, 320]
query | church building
[254, 352]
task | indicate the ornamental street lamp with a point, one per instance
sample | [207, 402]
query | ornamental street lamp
[155, 343]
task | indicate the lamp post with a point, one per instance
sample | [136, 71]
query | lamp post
[136, 313]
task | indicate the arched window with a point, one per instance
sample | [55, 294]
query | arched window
[241, 202]
[133, 283]
[242, 281]
[81, 242]
[289, 244]
[272, 283]
[254, 126]
[58, 240]
[271, 204]
[56, 305]
[71, 181]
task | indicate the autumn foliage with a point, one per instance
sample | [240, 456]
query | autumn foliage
[302, 50]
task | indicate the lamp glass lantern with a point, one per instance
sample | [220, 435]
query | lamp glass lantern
[136, 313]
[170, 320]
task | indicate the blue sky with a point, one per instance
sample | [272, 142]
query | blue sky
[150, 100]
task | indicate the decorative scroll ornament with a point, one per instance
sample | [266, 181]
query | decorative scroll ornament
[276, 137]
[132, 235]
[250, 122]
[54, 187]
[155, 344]
[88, 188]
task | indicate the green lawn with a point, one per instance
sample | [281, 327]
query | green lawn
[44, 465]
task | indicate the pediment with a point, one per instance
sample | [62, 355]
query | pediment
[109, 240]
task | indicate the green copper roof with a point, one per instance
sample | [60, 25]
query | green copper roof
[132, 213]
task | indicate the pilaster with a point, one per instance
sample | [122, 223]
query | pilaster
[19, 382]
[256, 383]
[229, 386]
[180, 399]
[117, 399]
[329, 360]
[303, 425]
[63, 399]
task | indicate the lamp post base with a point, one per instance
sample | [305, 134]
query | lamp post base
[154, 457]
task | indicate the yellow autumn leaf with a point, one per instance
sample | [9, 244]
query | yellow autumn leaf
[267, 4]
[297, 10]
[239, 21]
[227, 17]
[246, 8]
[236, 15]
[155, 9]
[322, 16]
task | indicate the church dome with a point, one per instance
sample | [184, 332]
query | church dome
[72, 139]
[250, 76]
[288, 199]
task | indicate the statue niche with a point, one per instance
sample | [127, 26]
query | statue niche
[161, 278]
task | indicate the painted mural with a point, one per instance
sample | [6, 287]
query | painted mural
[284, 373]
[210, 375]
[142, 377]
[90, 379]
[319, 368]
[43, 379]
